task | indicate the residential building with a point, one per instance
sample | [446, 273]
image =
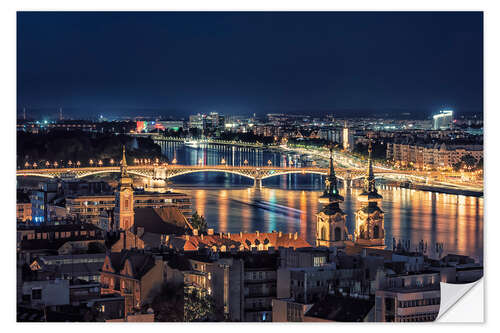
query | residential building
[135, 275]
[408, 297]
[23, 207]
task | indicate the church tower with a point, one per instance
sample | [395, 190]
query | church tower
[124, 201]
[331, 227]
[370, 218]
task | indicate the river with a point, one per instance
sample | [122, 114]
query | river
[289, 203]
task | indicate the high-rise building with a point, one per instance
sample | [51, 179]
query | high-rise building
[347, 138]
[443, 120]
[124, 208]
[331, 229]
[370, 218]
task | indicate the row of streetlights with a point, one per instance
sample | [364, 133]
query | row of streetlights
[142, 161]
[91, 163]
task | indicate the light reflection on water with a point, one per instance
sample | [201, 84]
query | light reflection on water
[231, 204]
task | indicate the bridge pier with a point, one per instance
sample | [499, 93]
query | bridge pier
[157, 182]
[257, 183]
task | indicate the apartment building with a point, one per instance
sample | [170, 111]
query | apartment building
[408, 298]
[431, 155]
[89, 207]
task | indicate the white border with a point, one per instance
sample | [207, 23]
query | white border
[8, 89]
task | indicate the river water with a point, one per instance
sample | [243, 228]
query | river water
[289, 203]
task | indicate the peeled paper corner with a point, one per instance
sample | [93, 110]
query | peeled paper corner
[462, 303]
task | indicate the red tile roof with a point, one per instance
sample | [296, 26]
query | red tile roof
[245, 240]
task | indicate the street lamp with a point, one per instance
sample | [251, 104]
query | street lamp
[223, 161]
[91, 162]
[100, 163]
[78, 163]
[111, 161]
[269, 163]
[70, 163]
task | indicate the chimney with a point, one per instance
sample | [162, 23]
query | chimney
[195, 232]
[289, 235]
[241, 234]
[280, 234]
[295, 236]
[257, 233]
[210, 231]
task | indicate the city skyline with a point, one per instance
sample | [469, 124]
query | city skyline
[246, 63]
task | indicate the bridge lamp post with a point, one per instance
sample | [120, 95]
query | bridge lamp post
[70, 163]
[78, 163]
[26, 165]
[56, 164]
[174, 161]
[245, 162]
[35, 165]
[223, 161]
[269, 163]
[200, 161]
[91, 162]
[111, 161]
[47, 164]
[100, 163]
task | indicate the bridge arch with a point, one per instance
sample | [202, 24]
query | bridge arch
[33, 174]
[132, 172]
[220, 170]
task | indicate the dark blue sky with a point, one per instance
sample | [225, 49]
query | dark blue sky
[250, 62]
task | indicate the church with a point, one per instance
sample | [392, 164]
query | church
[331, 227]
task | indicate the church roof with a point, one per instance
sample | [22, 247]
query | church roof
[164, 220]
[370, 191]
[332, 208]
[331, 192]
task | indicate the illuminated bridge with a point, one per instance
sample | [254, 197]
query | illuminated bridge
[257, 173]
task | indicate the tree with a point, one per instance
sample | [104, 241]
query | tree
[198, 305]
[479, 164]
[457, 166]
[199, 222]
[469, 161]
[168, 304]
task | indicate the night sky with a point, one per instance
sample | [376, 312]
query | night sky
[238, 63]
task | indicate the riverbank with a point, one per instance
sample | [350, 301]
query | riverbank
[447, 190]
